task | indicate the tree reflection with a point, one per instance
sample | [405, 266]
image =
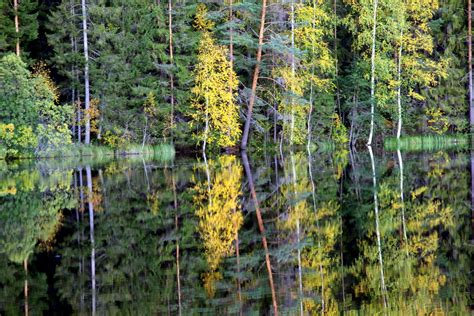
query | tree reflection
[305, 233]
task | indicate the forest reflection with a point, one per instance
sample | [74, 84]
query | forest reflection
[285, 233]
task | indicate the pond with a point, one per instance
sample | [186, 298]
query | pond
[286, 233]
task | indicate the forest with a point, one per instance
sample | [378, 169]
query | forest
[251, 157]
[95, 75]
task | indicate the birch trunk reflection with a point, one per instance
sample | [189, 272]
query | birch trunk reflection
[377, 228]
[91, 224]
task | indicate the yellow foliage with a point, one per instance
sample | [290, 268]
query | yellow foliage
[94, 114]
[437, 122]
[218, 209]
[40, 70]
[201, 22]
[214, 99]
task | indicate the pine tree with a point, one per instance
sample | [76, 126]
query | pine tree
[26, 13]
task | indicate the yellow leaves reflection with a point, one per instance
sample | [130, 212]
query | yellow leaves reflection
[218, 210]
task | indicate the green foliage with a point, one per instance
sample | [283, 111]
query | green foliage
[17, 93]
[29, 103]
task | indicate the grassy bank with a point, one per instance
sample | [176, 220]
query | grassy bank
[428, 143]
[161, 152]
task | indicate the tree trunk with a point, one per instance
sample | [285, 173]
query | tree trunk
[469, 60]
[91, 227]
[377, 227]
[372, 76]
[144, 132]
[336, 61]
[311, 83]
[17, 27]
[298, 234]
[402, 200]
[170, 29]
[206, 130]
[26, 287]
[231, 41]
[245, 135]
[261, 228]
[293, 72]
[86, 74]
[399, 90]
[313, 196]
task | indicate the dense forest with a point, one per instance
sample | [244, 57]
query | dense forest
[229, 74]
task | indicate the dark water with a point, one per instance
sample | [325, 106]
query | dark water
[330, 233]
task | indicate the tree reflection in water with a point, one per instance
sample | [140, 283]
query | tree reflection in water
[303, 233]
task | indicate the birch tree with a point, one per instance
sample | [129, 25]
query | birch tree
[87, 139]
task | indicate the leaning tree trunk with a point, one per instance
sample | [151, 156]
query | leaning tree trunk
[245, 135]
[261, 228]
[87, 139]
[372, 76]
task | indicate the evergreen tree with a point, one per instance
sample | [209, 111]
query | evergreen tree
[27, 29]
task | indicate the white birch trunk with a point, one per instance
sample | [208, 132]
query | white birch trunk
[372, 76]
[87, 139]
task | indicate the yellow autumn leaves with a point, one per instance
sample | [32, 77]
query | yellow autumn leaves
[218, 208]
[213, 93]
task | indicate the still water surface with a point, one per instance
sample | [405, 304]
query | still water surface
[327, 233]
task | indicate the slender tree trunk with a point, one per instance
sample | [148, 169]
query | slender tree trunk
[73, 71]
[248, 172]
[144, 131]
[17, 28]
[293, 72]
[91, 227]
[86, 73]
[313, 195]
[79, 118]
[206, 130]
[25, 287]
[76, 75]
[245, 135]
[176, 225]
[81, 264]
[310, 113]
[399, 89]
[298, 236]
[377, 227]
[402, 199]
[469, 60]
[472, 196]
[372, 75]
[231, 41]
[336, 60]
[170, 30]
